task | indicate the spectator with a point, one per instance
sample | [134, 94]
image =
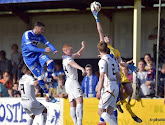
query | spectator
[3, 91]
[7, 82]
[61, 87]
[89, 82]
[58, 71]
[161, 84]
[17, 63]
[126, 73]
[148, 61]
[5, 64]
[16, 93]
[141, 78]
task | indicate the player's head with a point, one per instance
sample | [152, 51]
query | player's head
[88, 69]
[107, 39]
[102, 47]
[25, 70]
[39, 28]
[61, 79]
[67, 49]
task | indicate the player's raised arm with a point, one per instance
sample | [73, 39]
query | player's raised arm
[77, 66]
[48, 44]
[99, 27]
[80, 52]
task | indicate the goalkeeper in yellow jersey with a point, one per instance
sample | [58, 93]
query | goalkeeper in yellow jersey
[125, 83]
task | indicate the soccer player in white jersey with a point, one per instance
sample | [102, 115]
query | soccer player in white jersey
[109, 76]
[28, 99]
[72, 85]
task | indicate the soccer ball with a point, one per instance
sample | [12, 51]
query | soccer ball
[95, 6]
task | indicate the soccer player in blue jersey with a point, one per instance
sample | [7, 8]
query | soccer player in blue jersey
[33, 57]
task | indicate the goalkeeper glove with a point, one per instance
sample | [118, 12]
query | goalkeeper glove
[132, 67]
[95, 14]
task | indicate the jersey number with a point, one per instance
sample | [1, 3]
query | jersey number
[22, 88]
[65, 70]
[113, 69]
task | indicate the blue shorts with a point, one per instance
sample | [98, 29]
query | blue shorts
[36, 63]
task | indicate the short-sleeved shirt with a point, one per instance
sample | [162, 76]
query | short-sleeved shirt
[113, 51]
[70, 72]
[3, 90]
[26, 86]
[108, 65]
[8, 85]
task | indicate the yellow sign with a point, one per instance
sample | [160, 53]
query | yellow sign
[151, 111]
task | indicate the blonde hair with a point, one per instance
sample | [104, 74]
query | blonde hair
[66, 47]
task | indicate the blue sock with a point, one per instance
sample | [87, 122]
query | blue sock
[43, 86]
[115, 113]
[101, 119]
[50, 68]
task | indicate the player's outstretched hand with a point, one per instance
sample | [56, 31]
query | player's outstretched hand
[98, 95]
[47, 49]
[133, 68]
[95, 14]
[55, 52]
[83, 72]
[83, 44]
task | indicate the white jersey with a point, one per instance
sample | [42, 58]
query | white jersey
[70, 72]
[108, 65]
[26, 86]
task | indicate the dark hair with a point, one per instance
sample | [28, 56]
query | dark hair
[147, 54]
[61, 77]
[24, 69]
[6, 72]
[14, 45]
[102, 46]
[141, 61]
[39, 24]
[108, 50]
[2, 52]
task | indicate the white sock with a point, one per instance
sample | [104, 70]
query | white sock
[29, 121]
[110, 119]
[79, 113]
[43, 118]
[73, 114]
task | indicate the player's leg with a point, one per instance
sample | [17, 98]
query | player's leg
[44, 117]
[50, 69]
[45, 60]
[73, 111]
[79, 110]
[30, 120]
[128, 89]
[128, 108]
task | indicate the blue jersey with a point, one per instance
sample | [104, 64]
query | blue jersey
[29, 37]
[30, 42]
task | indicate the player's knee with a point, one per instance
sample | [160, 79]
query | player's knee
[32, 116]
[100, 111]
[40, 78]
[50, 63]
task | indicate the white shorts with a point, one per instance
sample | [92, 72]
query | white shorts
[109, 97]
[73, 89]
[32, 107]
